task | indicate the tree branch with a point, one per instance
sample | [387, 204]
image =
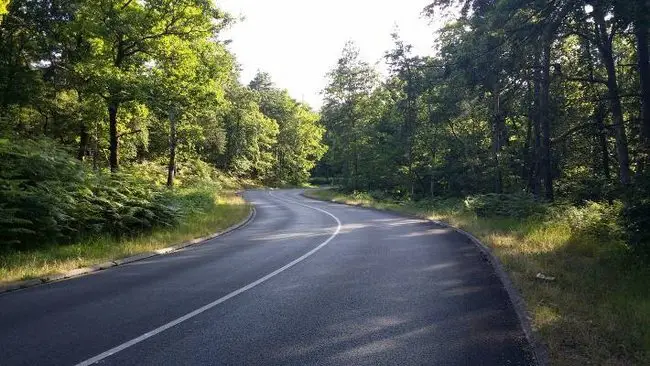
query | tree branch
[571, 131]
[585, 80]
[129, 133]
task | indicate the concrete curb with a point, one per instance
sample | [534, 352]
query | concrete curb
[539, 350]
[18, 285]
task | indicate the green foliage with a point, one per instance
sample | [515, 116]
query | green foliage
[299, 145]
[213, 211]
[596, 227]
[3, 7]
[48, 197]
[518, 205]
[251, 135]
[158, 72]
[197, 173]
[349, 114]
[494, 111]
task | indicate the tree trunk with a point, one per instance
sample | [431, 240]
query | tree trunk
[532, 140]
[114, 139]
[606, 52]
[497, 137]
[600, 115]
[84, 138]
[535, 181]
[545, 119]
[171, 167]
[643, 55]
[543, 115]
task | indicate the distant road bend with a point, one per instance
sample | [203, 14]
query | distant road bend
[305, 283]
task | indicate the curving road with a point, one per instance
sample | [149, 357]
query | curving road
[305, 283]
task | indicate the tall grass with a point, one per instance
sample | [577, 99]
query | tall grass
[596, 311]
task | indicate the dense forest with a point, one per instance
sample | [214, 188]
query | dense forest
[542, 99]
[103, 103]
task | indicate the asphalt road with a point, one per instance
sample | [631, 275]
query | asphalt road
[305, 283]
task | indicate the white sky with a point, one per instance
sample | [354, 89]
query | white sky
[299, 41]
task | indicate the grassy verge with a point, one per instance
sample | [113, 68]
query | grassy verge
[595, 311]
[219, 211]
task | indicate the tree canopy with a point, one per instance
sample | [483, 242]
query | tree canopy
[126, 81]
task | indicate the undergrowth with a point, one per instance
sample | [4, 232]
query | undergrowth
[57, 213]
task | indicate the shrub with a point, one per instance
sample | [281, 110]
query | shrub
[580, 184]
[595, 227]
[599, 218]
[505, 205]
[47, 197]
[320, 181]
[196, 172]
[154, 172]
[361, 196]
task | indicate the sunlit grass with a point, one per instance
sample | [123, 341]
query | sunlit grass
[226, 210]
[596, 311]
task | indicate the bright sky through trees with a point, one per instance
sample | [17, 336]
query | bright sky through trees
[299, 41]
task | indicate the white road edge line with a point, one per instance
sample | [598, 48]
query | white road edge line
[209, 306]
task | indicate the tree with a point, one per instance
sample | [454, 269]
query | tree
[604, 35]
[186, 83]
[123, 36]
[299, 143]
[406, 71]
[250, 137]
[347, 96]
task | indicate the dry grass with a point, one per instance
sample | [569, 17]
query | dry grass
[227, 210]
[596, 311]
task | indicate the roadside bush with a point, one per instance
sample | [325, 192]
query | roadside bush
[579, 185]
[380, 195]
[595, 227]
[504, 205]
[361, 196]
[154, 172]
[48, 197]
[599, 218]
[320, 181]
[195, 172]
[442, 205]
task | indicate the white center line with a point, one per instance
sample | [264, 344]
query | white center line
[209, 306]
